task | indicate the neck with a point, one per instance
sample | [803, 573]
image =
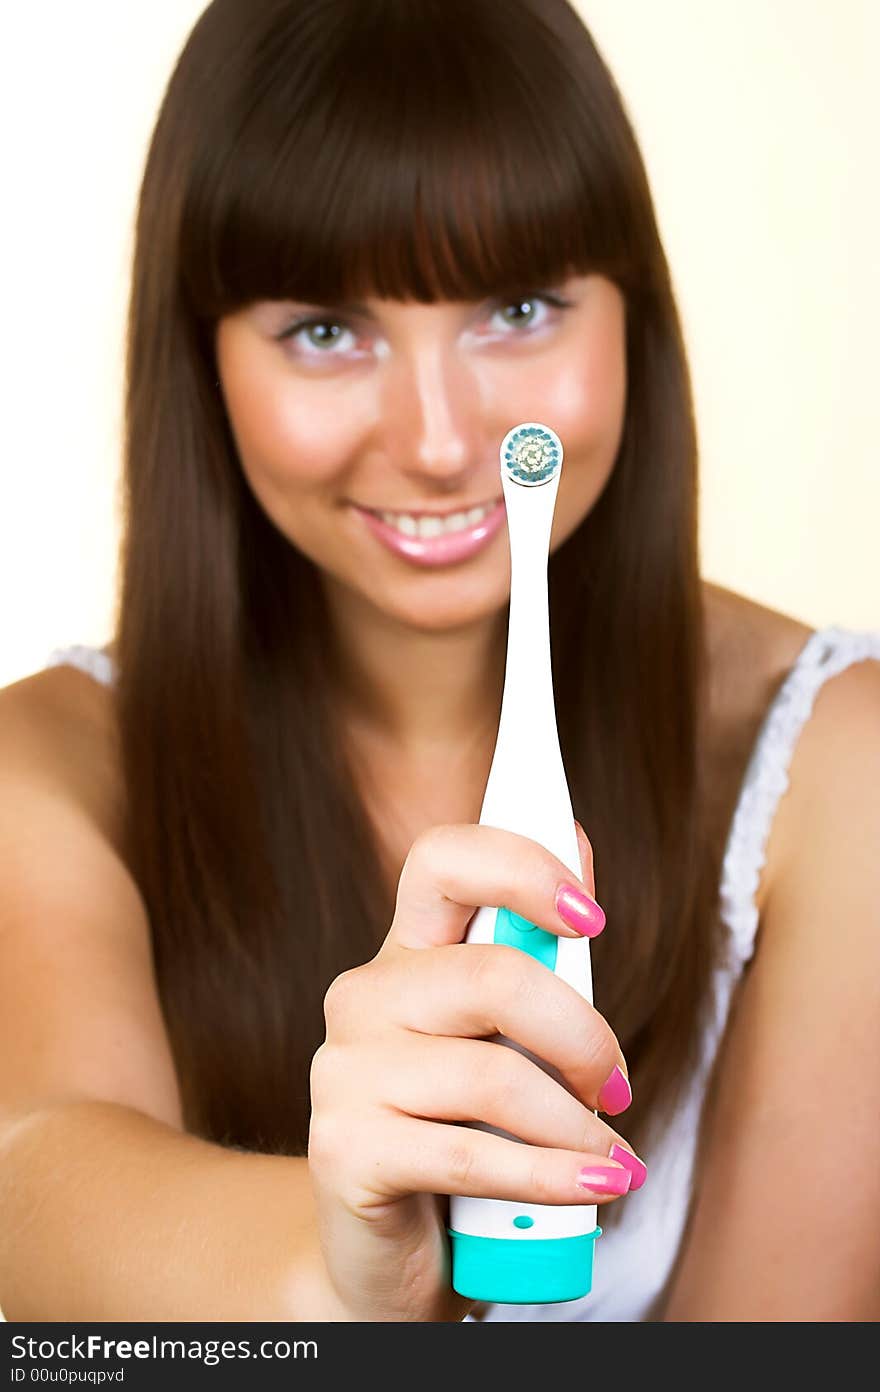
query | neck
[416, 691]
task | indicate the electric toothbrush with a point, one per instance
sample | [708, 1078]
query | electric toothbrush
[502, 1251]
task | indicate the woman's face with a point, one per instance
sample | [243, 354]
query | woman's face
[401, 407]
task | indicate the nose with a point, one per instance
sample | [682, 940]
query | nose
[432, 410]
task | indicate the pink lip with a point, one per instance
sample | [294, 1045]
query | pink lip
[440, 550]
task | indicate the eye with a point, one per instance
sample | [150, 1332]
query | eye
[318, 336]
[319, 345]
[526, 305]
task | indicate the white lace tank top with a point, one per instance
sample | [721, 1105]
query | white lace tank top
[635, 1258]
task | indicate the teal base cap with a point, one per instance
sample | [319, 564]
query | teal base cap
[522, 1271]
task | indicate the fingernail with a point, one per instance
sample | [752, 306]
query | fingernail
[604, 1180]
[579, 911]
[637, 1168]
[616, 1093]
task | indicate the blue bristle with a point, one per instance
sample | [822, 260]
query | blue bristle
[532, 455]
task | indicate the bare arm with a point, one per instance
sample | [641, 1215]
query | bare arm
[108, 1214]
[787, 1213]
[108, 1208]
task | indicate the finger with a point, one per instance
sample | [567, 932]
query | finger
[477, 990]
[453, 869]
[435, 1158]
[474, 1080]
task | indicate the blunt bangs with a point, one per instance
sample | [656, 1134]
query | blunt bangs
[401, 165]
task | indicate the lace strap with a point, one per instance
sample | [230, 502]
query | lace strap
[825, 653]
[95, 663]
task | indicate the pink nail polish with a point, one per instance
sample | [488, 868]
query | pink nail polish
[616, 1093]
[604, 1179]
[637, 1168]
[579, 911]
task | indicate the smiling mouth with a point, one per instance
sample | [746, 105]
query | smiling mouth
[420, 512]
[433, 524]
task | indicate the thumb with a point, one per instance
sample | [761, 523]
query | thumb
[586, 850]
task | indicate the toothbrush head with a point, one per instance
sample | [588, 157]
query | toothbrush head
[531, 454]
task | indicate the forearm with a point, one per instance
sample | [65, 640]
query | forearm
[108, 1214]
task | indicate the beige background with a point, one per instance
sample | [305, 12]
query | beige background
[758, 122]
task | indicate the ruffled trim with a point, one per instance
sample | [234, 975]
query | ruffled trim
[95, 663]
[825, 653]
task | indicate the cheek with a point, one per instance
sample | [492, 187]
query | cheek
[588, 396]
[285, 432]
[584, 398]
[592, 401]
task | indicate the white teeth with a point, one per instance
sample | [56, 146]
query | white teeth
[435, 526]
[402, 521]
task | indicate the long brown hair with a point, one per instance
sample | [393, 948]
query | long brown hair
[322, 150]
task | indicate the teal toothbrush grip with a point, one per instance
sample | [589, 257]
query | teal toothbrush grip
[516, 931]
[523, 1269]
[517, 1271]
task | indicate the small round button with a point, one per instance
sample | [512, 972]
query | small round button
[523, 1221]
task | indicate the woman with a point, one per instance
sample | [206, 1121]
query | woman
[243, 1025]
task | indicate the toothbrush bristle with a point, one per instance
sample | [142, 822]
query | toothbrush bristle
[531, 453]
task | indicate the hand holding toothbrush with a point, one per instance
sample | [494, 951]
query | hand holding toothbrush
[408, 1054]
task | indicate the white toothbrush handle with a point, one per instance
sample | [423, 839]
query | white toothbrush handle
[507, 1251]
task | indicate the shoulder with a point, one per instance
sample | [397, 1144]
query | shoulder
[80, 1016]
[59, 734]
[752, 648]
[830, 814]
